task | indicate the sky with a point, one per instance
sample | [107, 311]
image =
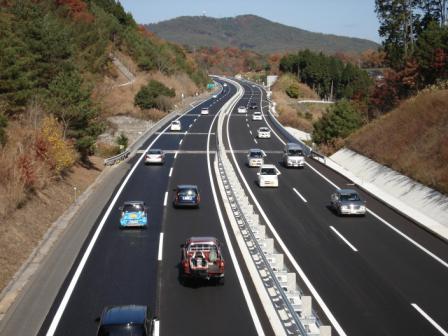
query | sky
[354, 18]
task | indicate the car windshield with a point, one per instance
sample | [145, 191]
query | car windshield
[263, 129]
[154, 151]
[256, 154]
[268, 171]
[257, 113]
[132, 207]
[350, 197]
[295, 152]
[175, 123]
[122, 330]
[187, 192]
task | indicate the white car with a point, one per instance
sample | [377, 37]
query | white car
[176, 125]
[268, 176]
[225, 85]
[257, 116]
[263, 133]
[255, 157]
[215, 96]
[155, 156]
[242, 109]
[204, 110]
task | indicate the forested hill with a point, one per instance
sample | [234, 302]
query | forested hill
[52, 52]
[253, 33]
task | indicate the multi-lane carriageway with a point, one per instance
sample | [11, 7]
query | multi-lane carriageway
[377, 275]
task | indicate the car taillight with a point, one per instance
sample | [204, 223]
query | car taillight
[198, 198]
[221, 264]
[185, 265]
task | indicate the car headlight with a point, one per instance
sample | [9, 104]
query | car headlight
[344, 207]
[362, 207]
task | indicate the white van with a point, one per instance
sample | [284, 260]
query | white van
[268, 176]
[293, 155]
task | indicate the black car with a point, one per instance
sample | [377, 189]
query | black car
[130, 320]
[253, 106]
[186, 195]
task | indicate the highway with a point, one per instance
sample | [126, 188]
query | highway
[376, 275]
[374, 280]
[126, 266]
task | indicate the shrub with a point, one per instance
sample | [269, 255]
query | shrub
[122, 141]
[341, 120]
[293, 91]
[152, 96]
[3, 125]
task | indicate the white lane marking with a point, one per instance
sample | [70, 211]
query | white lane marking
[247, 125]
[322, 175]
[171, 172]
[175, 155]
[300, 195]
[156, 328]
[430, 320]
[294, 263]
[165, 199]
[71, 287]
[190, 125]
[444, 263]
[344, 239]
[250, 132]
[159, 254]
[180, 142]
[239, 274]
[255, 140]
[185, 132]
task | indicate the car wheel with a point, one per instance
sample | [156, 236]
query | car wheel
[221, 281]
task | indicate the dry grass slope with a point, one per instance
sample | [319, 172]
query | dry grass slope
[412, 139]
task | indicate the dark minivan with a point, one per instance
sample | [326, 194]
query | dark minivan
[130, 320]
[186, 195]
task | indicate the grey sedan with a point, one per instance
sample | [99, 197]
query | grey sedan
[348, 202]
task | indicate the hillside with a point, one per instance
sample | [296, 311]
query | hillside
[253, 33]
[411, 139]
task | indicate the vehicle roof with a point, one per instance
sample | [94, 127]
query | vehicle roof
[347, 191]
[187, 186]
[205, 239]
[241, 106]
[134, 202]
[268, 166]
[124, 314]
[155, 150]
[294, 145]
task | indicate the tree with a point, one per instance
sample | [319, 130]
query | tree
[151, 94]
[341, 119]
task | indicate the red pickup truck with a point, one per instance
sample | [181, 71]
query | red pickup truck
[202, 259]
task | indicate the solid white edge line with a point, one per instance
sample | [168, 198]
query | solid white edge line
[294, 263]
[300, 195]
[413, 242]
[430, 320]
[159, 254]
[71, 287]
[165, 199]
[171, 172]
[344, 239]
[250, 304]
[156, 328]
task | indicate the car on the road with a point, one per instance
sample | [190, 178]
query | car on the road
[202, 259]
[253, 106]
[204, 110]
[347, 202]
[186, 195]
[176, 125]
[135, 320]
[215, 95]
[293, 155]
[242, 109]
[155, 156]
[133, 214]
[255, 157]
[257, 116]
[225, 84]
[263, 133]
[268, 175]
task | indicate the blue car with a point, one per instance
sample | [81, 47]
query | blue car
[133, 214]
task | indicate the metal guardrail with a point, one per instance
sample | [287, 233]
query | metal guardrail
[117, 158]
[247, 222]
